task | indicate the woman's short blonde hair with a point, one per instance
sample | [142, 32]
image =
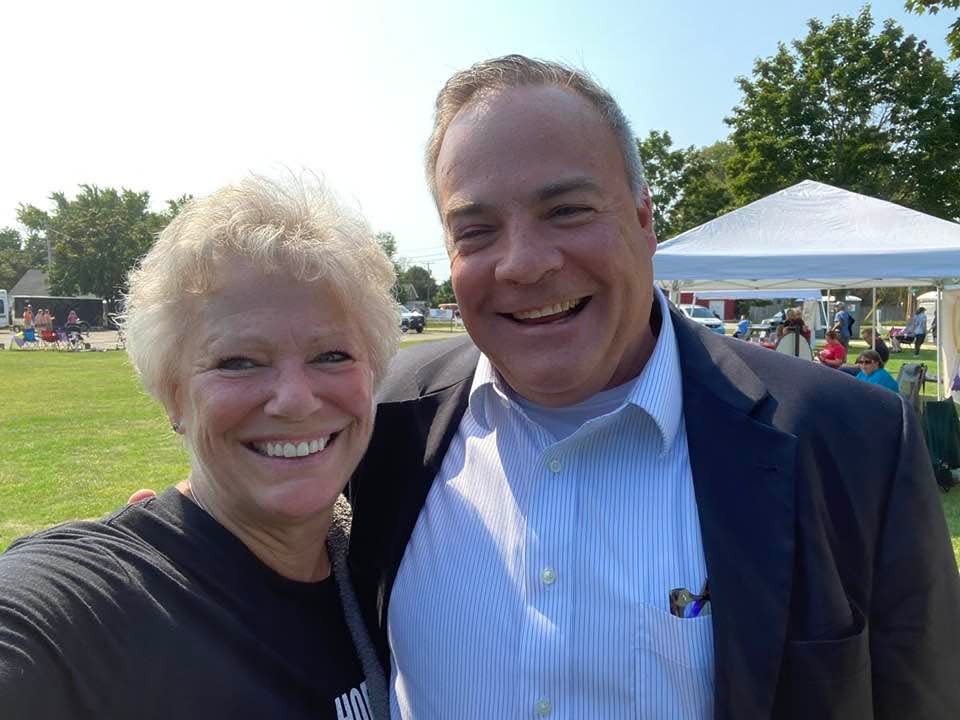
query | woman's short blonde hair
[293, 228]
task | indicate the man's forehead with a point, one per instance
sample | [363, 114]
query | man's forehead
[542, 140]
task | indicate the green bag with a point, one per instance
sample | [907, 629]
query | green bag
[941, 429]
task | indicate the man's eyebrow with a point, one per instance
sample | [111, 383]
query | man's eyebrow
[560, 187]
[467, 209]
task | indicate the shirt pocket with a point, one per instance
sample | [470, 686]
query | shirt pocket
[674, 670]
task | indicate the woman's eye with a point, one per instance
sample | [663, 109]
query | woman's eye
[333, 356]
[236, 364]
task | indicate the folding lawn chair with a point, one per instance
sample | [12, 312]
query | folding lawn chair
[50, 338]
[29, 338]
[911, 379]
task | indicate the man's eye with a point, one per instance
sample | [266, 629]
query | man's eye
[333, 356]
[471, 233]
[566, 211]
[236, 364]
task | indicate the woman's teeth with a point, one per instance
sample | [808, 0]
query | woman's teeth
[289, 449]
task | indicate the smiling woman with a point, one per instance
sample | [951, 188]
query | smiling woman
[262, 321]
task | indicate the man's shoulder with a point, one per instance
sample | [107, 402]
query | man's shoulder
[428, 367]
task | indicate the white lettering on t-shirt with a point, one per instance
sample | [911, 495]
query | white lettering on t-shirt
[354, 705]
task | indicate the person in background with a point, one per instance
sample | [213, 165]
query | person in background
[875, 343]
[842, 324]
[873, 372]
[794, 323]
[743, 328]
[918, 328]
[28, 316]
[833, 354]
[262, 320]
[73, 318]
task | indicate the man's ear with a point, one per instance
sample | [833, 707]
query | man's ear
[645, 218]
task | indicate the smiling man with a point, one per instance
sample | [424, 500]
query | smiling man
[556, 517]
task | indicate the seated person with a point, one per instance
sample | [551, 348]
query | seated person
[743, 327]
[794, 321]
[871, 370]
[898, 336]
[833, 353]
[880, 346]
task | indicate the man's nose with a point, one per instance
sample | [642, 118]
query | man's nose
[293, 395]
[528, 256]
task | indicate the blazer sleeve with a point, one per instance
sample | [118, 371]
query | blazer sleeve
[915, 607]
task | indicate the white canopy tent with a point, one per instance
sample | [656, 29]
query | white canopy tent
[812, 235]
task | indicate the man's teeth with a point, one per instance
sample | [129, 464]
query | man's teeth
[289, 449]
[547, 310]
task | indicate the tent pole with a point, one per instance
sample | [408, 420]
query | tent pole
[876, 324]
[940, 382]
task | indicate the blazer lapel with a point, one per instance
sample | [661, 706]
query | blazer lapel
[743, 478]
[409, 441]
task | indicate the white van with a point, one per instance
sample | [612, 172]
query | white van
[4, 309]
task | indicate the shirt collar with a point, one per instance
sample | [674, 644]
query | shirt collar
[657, 390]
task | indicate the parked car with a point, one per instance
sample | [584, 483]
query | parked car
[704, 316]
[411, 320]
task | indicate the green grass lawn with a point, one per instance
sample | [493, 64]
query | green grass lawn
[78, 435]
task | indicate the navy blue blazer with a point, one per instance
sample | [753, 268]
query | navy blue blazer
[834, 587]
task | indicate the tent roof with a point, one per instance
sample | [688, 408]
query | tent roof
[812, 235]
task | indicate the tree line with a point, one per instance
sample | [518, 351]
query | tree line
[867, 109]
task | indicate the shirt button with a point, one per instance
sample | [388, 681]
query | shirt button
[555, 466]
[548, 575]
[543, 707]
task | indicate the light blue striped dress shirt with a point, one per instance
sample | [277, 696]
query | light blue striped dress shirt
[536, 581]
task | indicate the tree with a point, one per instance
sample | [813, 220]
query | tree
[872, 113]
[933, 7]
[388, 243]
[688, 186]
[706, 191]
[444, 293]
[422, 281]
[14, 259]
[665, 169]
[176, 205]
[95, 238]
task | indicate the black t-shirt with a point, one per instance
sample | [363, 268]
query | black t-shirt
[157, 611]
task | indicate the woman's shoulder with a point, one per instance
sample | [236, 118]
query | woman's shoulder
[77, 555]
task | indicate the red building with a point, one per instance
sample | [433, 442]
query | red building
[726, 309]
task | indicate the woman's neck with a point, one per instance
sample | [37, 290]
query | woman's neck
[296, 551]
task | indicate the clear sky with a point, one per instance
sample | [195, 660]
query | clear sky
[181, 97]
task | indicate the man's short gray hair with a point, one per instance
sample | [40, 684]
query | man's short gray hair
[512, 71]
[295, 229]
